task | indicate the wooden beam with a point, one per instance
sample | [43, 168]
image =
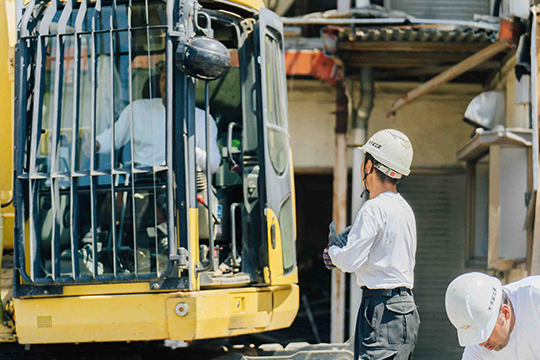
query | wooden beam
[411, 46]
[467, 64]
[493, 211]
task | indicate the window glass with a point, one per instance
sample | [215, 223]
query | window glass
[286, 223]
[481, 202]
[277, 133]
[271, 91]
[278, 145]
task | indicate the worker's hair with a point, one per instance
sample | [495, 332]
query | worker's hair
[382, 176]
[505, 300]
[161, 66]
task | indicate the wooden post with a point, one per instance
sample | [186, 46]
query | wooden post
[494, 211]
[339, 213]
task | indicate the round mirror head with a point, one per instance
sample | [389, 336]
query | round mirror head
[206, 58]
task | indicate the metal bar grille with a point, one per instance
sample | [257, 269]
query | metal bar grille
[131, 134]
[73, 200]
[74, 196]
[112, 25]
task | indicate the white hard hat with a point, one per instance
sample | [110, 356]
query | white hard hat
[393, 150]
[472, 304]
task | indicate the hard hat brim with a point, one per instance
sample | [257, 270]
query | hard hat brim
[469, 337]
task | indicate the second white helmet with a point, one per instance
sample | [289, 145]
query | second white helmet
[472, 304]
[393, 150]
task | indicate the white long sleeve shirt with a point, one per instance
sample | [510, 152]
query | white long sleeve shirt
[381, 247]
[149, 129]
[524, 343]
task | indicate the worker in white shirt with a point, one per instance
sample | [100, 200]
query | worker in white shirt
[494, 321]
[381, 249]
[149, 130]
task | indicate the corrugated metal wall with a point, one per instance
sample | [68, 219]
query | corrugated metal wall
[438, 201]
[443, 9]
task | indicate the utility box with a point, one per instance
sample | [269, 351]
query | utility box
[499, 185]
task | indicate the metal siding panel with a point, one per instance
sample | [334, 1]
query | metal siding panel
[438, 201]
[443, 9]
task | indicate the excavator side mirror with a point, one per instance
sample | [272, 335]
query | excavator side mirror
[203, 58]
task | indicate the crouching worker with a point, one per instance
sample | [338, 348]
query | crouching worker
[495, 321]
[380, 248]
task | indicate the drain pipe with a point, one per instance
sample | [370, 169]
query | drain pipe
[357, 137]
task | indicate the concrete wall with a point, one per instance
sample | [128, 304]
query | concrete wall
[434, 123]
[311, 125]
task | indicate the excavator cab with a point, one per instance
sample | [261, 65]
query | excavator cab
[152, 167]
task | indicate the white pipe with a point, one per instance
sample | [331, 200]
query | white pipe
[362, 3]
[344, 5]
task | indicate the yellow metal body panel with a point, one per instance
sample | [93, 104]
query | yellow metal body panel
[275, 252]
[210, 314]
[106, 289]
[274, 274]
[255, 4]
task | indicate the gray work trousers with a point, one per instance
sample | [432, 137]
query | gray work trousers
[387, 325]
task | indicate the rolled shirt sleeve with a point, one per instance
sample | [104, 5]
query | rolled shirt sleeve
[121, 133]
[359, 242]
[200, 128]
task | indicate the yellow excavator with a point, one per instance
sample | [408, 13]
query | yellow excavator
[116, 223]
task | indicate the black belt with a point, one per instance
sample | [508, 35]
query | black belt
[385, 292]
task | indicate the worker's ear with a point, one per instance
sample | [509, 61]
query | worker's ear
[505, 311]
[368, 166]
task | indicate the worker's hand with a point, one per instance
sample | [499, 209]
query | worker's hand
[87, 147]
[340, 239]
[327, 261]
